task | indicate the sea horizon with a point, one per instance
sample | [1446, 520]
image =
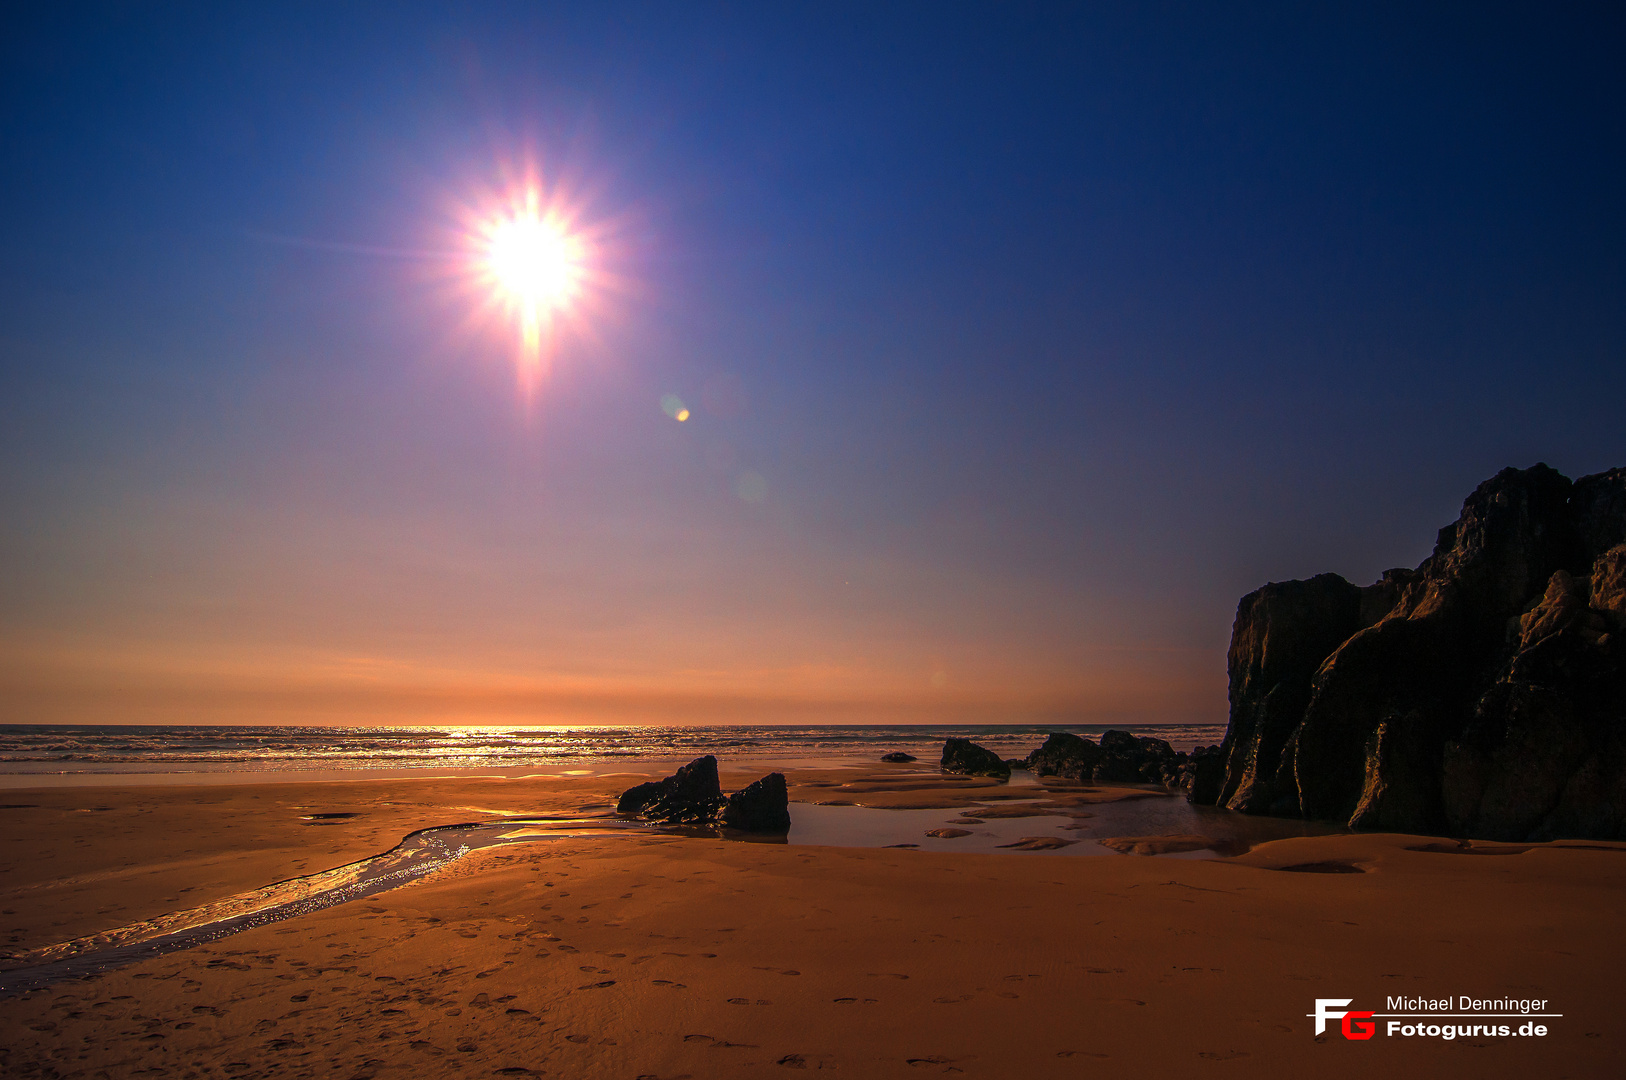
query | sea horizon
[103, 749]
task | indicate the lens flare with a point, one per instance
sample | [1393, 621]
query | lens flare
[673, 406]
[531, 261]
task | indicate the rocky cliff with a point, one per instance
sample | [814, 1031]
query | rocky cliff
[1481, 694]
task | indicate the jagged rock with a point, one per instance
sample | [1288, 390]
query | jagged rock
[966, 758]
[1065, 754]
[1282, 634]
[1117, 764]
[692, 796]
[1544, 754]
[1203, 776]
[1483, 693]
[1121, 743]
[1119, 758]
[898, 757]
[1131, 759]
[762, 806]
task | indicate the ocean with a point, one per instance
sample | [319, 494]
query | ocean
[67, 750]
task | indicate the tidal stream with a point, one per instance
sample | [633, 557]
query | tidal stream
[418, 855]
[421, 853]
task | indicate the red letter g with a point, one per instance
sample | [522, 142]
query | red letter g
[1358, 1031]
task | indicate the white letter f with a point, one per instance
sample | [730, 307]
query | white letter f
[1339, 1006]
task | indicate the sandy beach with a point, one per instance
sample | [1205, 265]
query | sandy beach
[648, 955]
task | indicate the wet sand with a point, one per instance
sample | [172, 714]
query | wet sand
[646, 955]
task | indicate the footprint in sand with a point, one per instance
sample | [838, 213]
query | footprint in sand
[940, 1063]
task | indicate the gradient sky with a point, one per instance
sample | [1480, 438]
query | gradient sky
[1038, 336]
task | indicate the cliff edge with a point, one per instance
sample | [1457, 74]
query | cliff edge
[1482, 694]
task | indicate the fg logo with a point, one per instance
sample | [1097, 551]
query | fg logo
[1355, 1025]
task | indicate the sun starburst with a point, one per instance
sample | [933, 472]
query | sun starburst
[532, 262]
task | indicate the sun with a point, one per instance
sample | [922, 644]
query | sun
[531, 259]
[535, 261]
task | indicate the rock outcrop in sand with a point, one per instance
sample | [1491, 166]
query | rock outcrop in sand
[966, 758]
[693, 796]
[1119, 758]
[1482, 694]
[761, 806]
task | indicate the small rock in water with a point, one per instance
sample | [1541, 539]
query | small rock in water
[1019, 811]
[948, 834]
[898, 757]
[1040, 843]
[1156, 845]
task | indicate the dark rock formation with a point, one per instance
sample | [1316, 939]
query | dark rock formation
[898, 757]
[1202, 775]
[1283, 633]
[1065, 754]
[692, 796]
[1119, 758]
[968, 759]
[762, 806]
[689, 796]
[1483, 693]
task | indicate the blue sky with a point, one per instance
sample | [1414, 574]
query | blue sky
[1036, 334]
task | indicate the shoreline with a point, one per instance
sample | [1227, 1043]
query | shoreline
[632, 955]
[78, 755]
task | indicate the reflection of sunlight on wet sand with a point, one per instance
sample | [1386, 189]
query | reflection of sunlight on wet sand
[1166, 815]
[418, 855]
